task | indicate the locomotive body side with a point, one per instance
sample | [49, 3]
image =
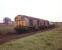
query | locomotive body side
[33, 23]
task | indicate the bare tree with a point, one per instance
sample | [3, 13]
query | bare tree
[6, 20]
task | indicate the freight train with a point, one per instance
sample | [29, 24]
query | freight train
[24, 22]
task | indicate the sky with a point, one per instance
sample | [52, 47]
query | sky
[45, 9]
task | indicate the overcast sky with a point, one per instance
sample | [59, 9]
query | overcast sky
[44, 9]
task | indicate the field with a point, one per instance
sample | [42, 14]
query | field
[4, 29]
[48, 40]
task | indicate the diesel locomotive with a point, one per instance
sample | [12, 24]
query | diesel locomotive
[24, 22]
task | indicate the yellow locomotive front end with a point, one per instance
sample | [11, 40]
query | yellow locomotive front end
[21, 22]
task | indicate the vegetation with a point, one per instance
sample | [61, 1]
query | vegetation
[49, 40]
[4, 29]
[7, 20]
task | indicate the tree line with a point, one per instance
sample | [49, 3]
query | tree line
[6, 20]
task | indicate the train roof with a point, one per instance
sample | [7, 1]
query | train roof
[30, 17]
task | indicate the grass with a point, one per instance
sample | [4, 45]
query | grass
[49, 40]
[4, 29]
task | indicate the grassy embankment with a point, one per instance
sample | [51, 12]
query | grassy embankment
[49, 40]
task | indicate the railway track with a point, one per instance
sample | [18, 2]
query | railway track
[9, 37]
